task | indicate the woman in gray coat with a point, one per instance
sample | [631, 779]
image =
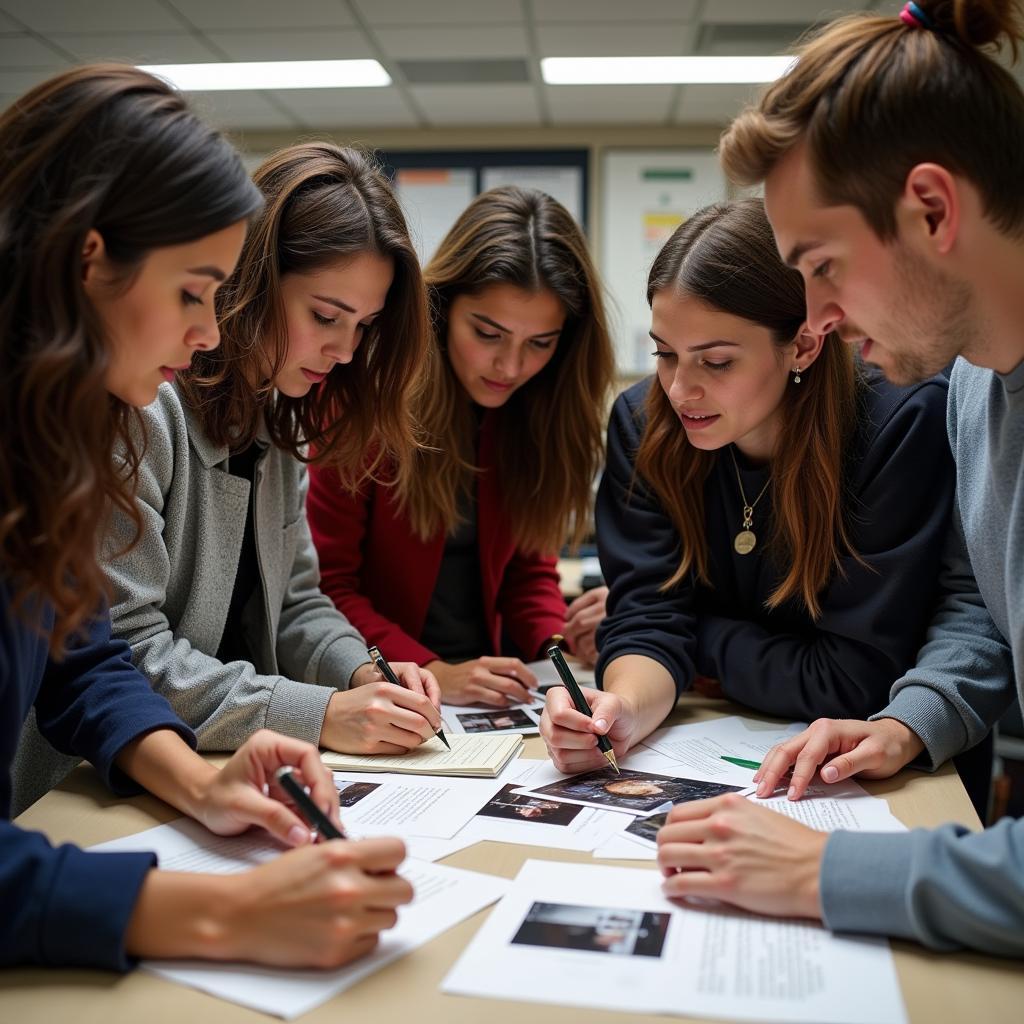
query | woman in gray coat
[324, 332]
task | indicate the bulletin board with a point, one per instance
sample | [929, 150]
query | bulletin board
[645, 195]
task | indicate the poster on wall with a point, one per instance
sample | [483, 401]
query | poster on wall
[432, 198]
[562, 183]
[646, 195]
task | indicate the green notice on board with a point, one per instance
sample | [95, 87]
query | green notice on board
[667, 174]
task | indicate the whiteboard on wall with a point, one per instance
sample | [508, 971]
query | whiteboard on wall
[433, 198]
[562, 183]
[646, 194]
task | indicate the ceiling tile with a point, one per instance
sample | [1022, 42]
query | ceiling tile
[243, 109]
[438, 12]
[24, 51]
[806, 11]
[343, 108]
[713, 104]
[108, 16]
[328, 44]
[481, 104]
[141, 48]
[608, 39]
[477, 41]
[229, 15]
[586, 104]
[584, 11]
[14, 83]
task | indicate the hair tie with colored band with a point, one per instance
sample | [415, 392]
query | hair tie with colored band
[913, 16]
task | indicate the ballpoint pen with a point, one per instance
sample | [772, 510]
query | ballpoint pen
[382, 666]
[314, 817]
[562, 668]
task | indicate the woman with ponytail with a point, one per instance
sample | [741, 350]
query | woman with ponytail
[323, 334]
[770, 520]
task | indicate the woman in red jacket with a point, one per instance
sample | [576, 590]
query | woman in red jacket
[452, 565]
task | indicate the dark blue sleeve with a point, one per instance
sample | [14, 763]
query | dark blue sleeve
[639, 550]
[873, 616]
[64, 907]
[93, 702]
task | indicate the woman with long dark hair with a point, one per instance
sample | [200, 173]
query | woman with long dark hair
[121, 214]
[454, 569]
[770, 519]
[323, 333]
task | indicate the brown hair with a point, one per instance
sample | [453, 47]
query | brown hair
[324, 204]
[872, 97]
[110, 148]
[725, 256]
[549, 433]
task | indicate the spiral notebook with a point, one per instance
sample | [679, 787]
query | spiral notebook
[480, 757]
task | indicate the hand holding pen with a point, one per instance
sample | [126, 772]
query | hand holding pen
[382, 666]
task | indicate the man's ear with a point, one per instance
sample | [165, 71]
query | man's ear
[931, 207]
[94, 257]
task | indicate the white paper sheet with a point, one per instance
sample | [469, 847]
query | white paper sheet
[609, 939]
[444, 897]
[547, 675]
[843, 805]
[481, 719]
[619, 847]
[699, 747]
[483, 756]
[410, 805]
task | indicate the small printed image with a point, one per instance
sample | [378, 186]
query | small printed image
[350, 793]
[647, 828]
[516, 807]
[495, 721]
[594, 929]
[629, 790]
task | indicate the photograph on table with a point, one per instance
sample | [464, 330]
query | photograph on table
[593, 929]
[496, 721]
[630, 791]
[350, 793]
[516, 807]
[645, 830]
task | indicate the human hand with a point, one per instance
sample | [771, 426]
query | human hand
[582, 618]
[244, 792]
[497, 681]
[410, 675]
[571, 736]
[378, 718]
[729, 849]
[874, 750]
[322, 906]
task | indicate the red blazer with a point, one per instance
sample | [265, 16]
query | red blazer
[381, 576]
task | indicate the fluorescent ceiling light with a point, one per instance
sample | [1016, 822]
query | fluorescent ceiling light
[272, 74]
[662, 70]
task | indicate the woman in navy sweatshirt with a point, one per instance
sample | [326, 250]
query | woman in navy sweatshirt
[770, 518]
[120, 214]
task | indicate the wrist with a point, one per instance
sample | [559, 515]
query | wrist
[906, 741]
[809, 887]
[366, 673]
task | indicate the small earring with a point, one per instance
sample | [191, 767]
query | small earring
[796, 375]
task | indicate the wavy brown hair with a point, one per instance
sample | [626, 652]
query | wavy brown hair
[725, 256]
[110, 148]
[872, 97]
[324, 204]
[549, 432]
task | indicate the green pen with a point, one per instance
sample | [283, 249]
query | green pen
[752, 765]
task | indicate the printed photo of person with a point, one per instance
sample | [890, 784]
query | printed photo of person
[641, 792]
[594, 929]
[516, 807]
[496, 721]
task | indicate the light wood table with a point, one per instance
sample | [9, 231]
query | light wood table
[936, 988]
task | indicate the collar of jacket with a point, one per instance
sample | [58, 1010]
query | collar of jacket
[211, 454]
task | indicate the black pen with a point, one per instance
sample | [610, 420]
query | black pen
[562, 668]
[388, 673]
[313, 816]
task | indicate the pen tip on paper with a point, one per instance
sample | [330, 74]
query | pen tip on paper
[444, 739]
[610, 754]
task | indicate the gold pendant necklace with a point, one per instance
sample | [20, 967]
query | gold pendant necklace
[746, 540]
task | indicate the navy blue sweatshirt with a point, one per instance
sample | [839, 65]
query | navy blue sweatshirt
[61, 906]
[899, 479]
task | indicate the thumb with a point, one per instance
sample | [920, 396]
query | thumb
[604, 709]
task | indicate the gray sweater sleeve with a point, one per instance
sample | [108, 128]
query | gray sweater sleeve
[963, 680]
[315, 642]
[224, 703]
[946, 888]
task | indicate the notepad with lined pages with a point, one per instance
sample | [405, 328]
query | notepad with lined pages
[479, 757]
